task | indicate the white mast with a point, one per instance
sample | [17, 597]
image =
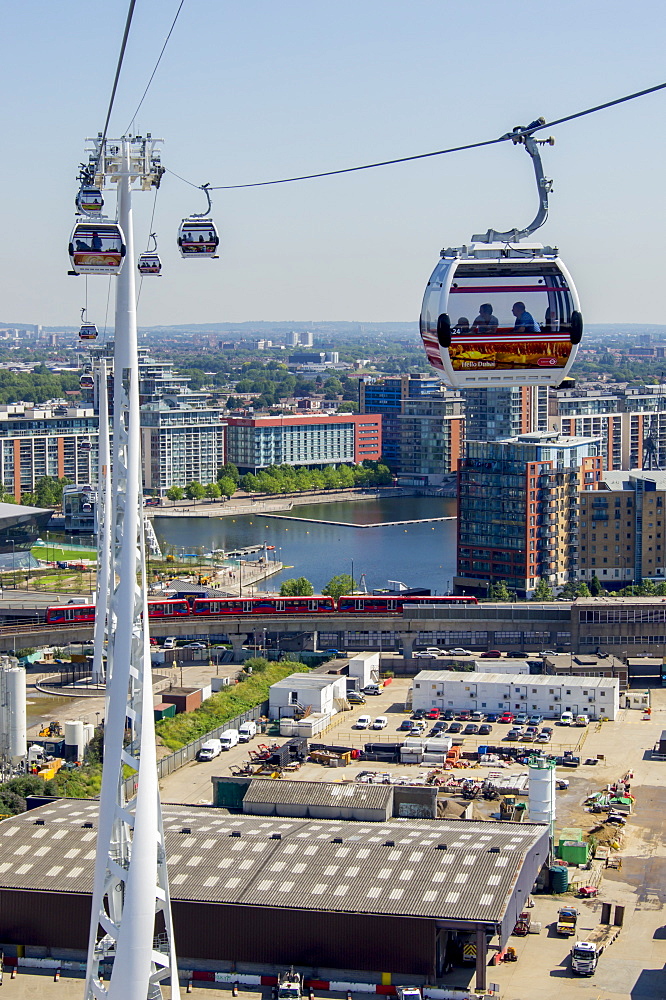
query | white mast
[104, 514]
[131, 908]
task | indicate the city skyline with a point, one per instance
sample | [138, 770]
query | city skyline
[298, 90]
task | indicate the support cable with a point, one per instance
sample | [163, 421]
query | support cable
[438, 152]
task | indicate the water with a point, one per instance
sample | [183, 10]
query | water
[420, 555]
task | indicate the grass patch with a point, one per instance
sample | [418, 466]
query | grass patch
[223, 706]
[80, 783]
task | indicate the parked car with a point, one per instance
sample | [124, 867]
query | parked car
[521, 718]
[170, 642]
[459, 651]
[506, 717]
[195, 645]
[543, 737]
[405, 724]
[464, 716]
[514, 734]
[433, 714]
[422, 654]
[363, 722]
[515, 654]
[381, 722]
[566, 718]
[372, 689]
[448, 714]
[419, 713]
[355, 698]
[491, 654]
[439, 727]
[434, 651]
[492, 717]
[527, 736]
[547, 652]
[476, 716]
[455, 727]
[471, 729]
[485, 729]
[548, 729]
[535, 720]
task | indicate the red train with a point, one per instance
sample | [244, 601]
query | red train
[213, 607]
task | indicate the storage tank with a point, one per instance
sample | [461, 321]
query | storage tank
[542, 791]
[88, 733]
[74, 739]
[13, 724]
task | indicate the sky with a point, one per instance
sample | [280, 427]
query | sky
[250, 90]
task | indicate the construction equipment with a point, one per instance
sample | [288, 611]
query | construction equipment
[52, 729]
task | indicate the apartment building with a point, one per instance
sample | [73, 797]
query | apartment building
[254, 443]
[496, 414]
[388, 396]
[630, 421]
[432, 436]
[180, 444]
[52, 439]
[517, 510]
[622, 529]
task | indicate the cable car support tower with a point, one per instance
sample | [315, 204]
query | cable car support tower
[131, 946]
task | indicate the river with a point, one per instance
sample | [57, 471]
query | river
[420, 555]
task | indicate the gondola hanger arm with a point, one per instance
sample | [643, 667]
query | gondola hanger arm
[521, 135]
[203, 215]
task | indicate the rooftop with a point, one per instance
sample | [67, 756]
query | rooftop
[319, 793]
[436, 869]
[303, 681]
[519, 680]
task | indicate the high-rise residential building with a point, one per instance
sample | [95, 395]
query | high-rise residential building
[300, 338]
[622, 529]
[180, 445]
[629, 420]
[432, 436]
[254, 443]
[495, 414]
[517, 510]
[51, 439]
[386, 397]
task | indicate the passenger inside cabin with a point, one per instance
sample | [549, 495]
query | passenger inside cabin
[525, 322]
[96, 242]
[462, 326]
[485, 322]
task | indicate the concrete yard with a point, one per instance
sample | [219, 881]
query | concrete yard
[634, 967]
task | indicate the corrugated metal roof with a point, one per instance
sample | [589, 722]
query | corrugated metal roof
[392, 868]
[302, 681]
[319, 793]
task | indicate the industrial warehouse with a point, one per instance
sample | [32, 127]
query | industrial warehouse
[403, 896]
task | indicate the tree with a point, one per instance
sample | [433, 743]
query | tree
[213, 491]
[175, 493]
[542, 591]
[339, 585]
[595, 586]
[195, 491]
[583, 590]
[227, 486]
[348, 406]
[499, 591]
[300, 587]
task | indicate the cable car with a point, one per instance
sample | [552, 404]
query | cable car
[97, 248]
[89, 200]
[85, 445]
[88, 331]
[198, 236]
[149, 263]
[496, 314]
[86, 382]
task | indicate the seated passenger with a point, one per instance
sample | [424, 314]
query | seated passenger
[462, 326]
[485, 322]
[525, 322]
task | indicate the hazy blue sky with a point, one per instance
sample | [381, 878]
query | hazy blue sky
[250, 90]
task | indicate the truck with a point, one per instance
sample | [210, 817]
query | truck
[209, 750]
[408, 993]
[567, 918]
[289, 985]
[585, 954]
[229, 739]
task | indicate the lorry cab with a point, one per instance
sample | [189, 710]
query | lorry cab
[289, 986]
[584, 958]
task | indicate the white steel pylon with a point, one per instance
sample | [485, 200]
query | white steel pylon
[130, 924]
[104, 515]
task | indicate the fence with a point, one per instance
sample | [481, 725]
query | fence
[167, 765]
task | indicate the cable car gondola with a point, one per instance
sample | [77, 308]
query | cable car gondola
[89, 200]
[97, 247]
[198, 236]
[88, 331]
[149, 263]
[86, 382]
[85, 445]
[497, 314]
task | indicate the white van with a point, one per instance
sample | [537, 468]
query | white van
[582, 720]
[229, 739]
[247, 731]
[566, 719]
[363, 722]
[170, 642]
[371, 689]
[381, 722]
[209, 750]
